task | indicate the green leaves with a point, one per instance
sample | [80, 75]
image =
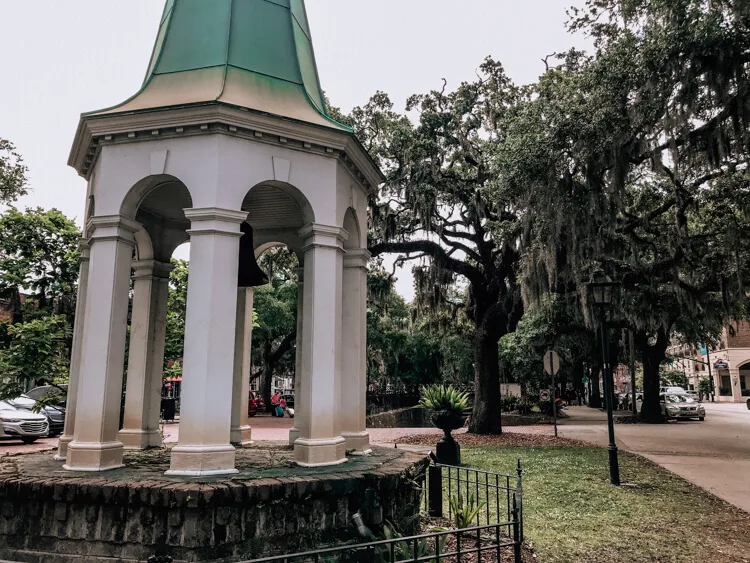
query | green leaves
[12, 174]
[444, 398]
[36, 350]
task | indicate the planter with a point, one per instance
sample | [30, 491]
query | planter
[448, 450]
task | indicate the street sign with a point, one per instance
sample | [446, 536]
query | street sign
[551, 363]
[544, 395]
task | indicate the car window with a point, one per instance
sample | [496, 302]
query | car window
[679, 399]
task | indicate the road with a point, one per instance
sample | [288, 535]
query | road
[713, 454]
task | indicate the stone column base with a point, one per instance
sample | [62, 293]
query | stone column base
[62, 447]
[140, 439]
[241, 436]
[94, 456]
[198, 461]
[293, 435]
[311, 452]
[357, 443]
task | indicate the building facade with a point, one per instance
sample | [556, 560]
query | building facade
[730, 363]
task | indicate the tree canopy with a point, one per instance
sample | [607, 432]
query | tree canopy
[13, 173]
[634, 161]
[438, 206]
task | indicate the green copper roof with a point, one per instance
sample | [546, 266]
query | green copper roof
[252, 53]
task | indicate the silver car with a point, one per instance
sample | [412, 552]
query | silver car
[19, 424]
[681, 406]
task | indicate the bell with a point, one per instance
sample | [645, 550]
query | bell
[249, 274]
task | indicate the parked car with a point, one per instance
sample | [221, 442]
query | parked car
[20, 424]
[255, 404]
[676, 405]
[59, 393]
[55, 415]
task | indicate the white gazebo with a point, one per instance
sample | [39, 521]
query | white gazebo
[227, 145]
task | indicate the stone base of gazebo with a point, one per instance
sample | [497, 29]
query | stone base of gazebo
[272, 506]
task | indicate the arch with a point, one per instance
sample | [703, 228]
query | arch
[144, 249]
[351, 226]
[274, 205]
[146, 187]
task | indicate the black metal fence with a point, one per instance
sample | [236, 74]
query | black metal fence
[473, 496]
[486, 509]
[484, 543]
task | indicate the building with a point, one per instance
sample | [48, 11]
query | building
[687, 361]
[730, 363]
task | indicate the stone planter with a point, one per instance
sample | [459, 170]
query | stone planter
[448, 450]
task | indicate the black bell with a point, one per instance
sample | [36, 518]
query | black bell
[250, 274]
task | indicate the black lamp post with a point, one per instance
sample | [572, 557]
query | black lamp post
[602, 290]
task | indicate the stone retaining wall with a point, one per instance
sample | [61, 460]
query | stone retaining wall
[416, 417]
[58, 518]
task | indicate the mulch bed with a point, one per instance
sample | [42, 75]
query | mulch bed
[512, 439]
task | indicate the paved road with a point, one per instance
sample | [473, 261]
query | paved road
[714, 454]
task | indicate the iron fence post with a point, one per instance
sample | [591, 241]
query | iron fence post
[516, 531]
[519, 487]
[435, 491]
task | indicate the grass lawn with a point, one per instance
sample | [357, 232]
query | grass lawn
[572, 514]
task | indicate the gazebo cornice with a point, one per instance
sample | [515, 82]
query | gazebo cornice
[94, 132]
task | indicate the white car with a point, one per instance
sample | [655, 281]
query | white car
[677, 405]
[20, 424]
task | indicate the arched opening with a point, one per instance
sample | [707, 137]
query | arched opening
[157, 312]
[274, 362]
[351, 226]
[744, 382]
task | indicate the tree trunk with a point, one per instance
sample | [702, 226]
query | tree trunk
[486, 417]
[595, 401]
[266, 378]
[653, 356]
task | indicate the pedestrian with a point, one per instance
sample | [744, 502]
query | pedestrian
[275, 402]
[281, 409]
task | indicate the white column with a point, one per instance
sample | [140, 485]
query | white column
[148, 320]
[75, 355]
[206, 403]
[320, 441]
[241, 431]
[299, 405]
[95, 446]
[354, 350]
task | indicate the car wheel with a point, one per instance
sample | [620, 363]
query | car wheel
[29, 440]
[252, 413]
[701, 418]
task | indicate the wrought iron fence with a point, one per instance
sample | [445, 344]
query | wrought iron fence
[494, 542]
[483, 496]
[489, 531]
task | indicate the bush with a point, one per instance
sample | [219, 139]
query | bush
[508, 403]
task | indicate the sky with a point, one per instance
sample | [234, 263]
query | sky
[61, 59]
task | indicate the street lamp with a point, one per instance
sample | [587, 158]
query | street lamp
[602, 290]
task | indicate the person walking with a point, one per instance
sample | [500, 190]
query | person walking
[275, 402]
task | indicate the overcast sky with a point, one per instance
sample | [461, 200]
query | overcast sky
[61, 58]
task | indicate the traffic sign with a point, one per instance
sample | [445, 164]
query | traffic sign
[544, 395]
[551, 363]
